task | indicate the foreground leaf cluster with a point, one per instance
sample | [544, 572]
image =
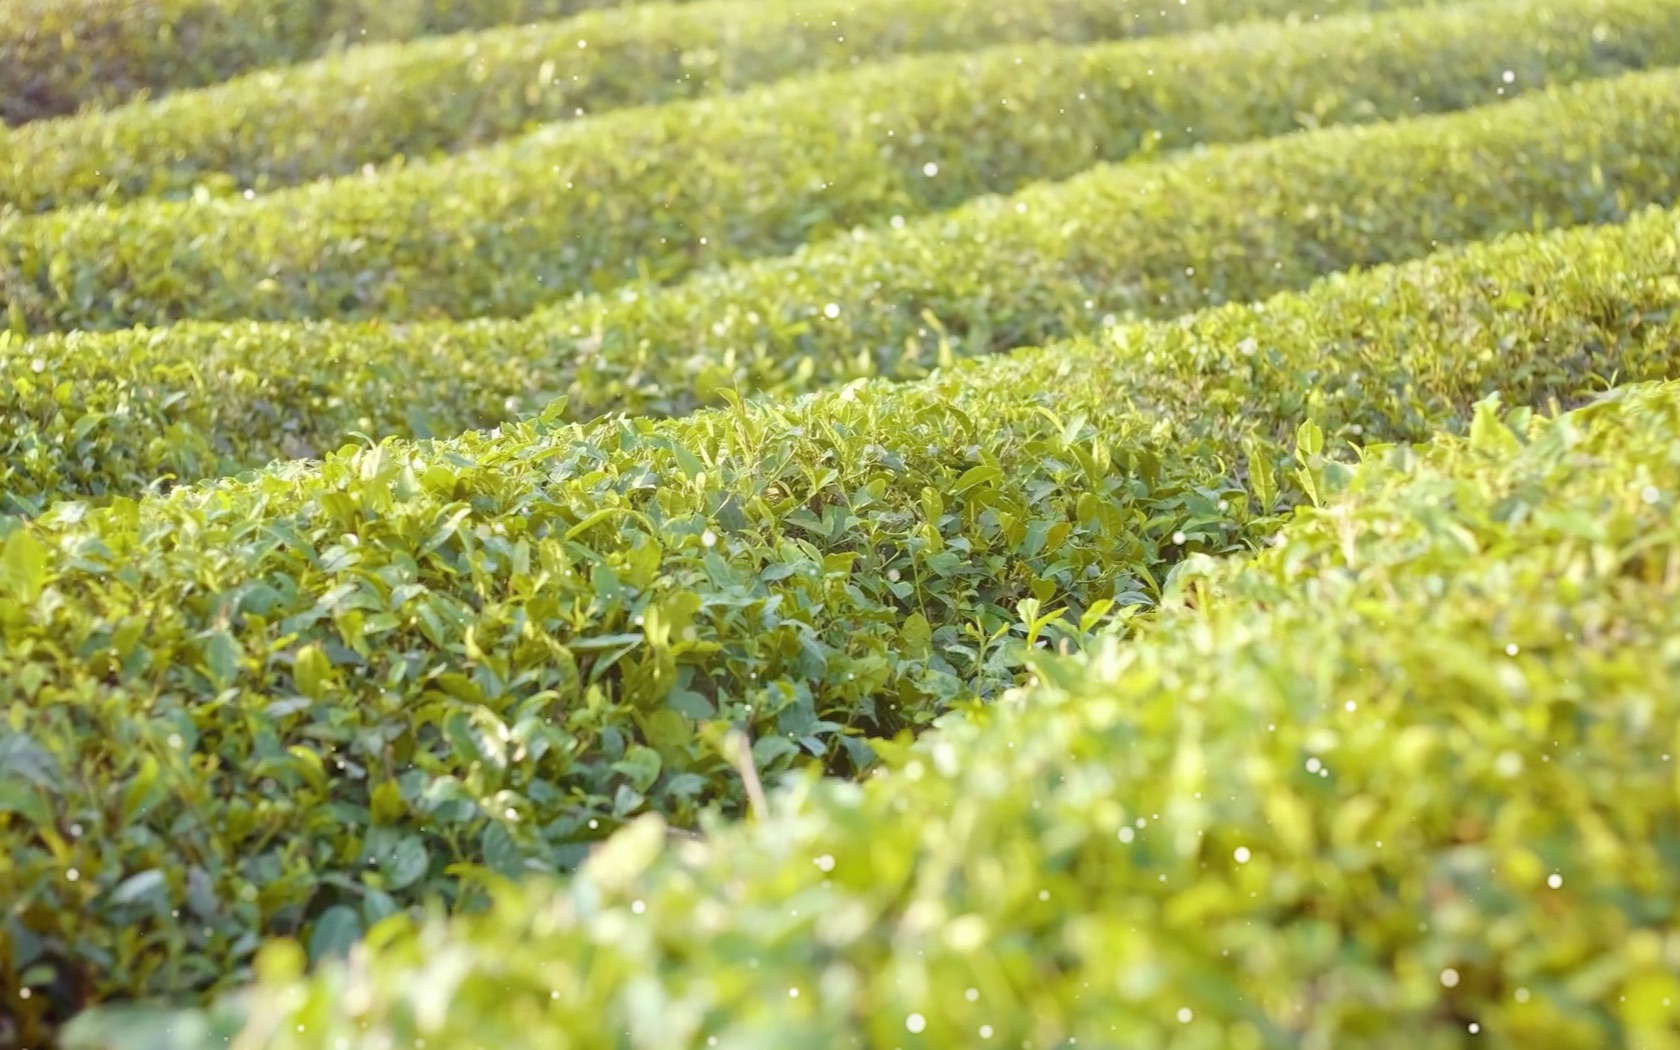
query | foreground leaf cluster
[1405, 779]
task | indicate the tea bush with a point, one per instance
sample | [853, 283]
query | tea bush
[299, 703]
[58, 56]
[96, 415]
[1405, 779]
[412, 99]
[659, 193]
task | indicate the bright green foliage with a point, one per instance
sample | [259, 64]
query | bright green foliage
[1407, 779]
[57, 56]
[279, 127]
[300, 702]
[661, 192]
[103, 413]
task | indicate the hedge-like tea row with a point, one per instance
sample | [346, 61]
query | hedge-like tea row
[660, 192]
[300, 702]
[59, 56]
[1405, 780]
[92, 415]
[287, 126]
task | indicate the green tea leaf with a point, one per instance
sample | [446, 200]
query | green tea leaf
[138, 887]
[337, 929]
[406, 865]
[974, 476]
[501, 853]
[310, 671]
[23, 567]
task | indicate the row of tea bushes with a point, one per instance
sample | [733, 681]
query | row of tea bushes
[60, 56]
[414, 99]
[305, 701]
[660, 192]
[1405, 779]
[92, 415]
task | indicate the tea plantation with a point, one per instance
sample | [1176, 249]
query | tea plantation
[781, 525]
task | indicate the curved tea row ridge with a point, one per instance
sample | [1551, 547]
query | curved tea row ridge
[665, 191]
[302, 702]
[60, 56]
[1403, 772]
[97, 415]
[281, 127]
